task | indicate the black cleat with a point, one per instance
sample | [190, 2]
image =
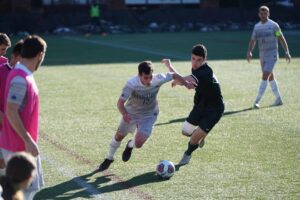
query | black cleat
[105, 165]
[127, 153]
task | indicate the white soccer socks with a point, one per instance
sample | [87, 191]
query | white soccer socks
[275, 89]
[261, 91]
[114, 145]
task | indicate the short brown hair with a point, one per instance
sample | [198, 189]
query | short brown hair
[32, 46]
[18, 48]
[4, 39]
[145, 67]
[199, 50]
[264, 8]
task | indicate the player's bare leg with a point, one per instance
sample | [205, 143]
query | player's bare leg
[197, 138]
[114, 145]
[137, 142]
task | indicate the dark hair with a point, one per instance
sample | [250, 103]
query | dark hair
[4, 39]
[199, 50]
[32, 46]
[19, 168]
[145, 67]
[18, 47]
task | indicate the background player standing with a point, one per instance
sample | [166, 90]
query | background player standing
[267, 33]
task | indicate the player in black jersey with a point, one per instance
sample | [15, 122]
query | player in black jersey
[208, 101]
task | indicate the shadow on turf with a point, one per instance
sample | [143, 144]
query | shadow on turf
[73, 188]
[138, 180]
[76, 188]
[225, 114]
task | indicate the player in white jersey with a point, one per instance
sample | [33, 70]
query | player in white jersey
[267, 33]
[139, 109]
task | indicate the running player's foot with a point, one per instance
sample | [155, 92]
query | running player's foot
[127, 153]
[256, 105]
[185, 159]
[202, 143]
[105, 165]
[277, 102]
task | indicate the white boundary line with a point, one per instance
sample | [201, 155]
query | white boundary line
[131, 48]
[96, 194]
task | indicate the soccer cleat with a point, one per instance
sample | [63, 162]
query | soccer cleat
[256, 106]
[105, 165]
[277, 102]
[202, 143]
[185, 159]
[127, 153]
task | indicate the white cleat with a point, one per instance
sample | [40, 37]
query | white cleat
[185, 159]
[256, 106]
[277, 102]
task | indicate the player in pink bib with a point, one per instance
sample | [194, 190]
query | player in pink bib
[21, 108]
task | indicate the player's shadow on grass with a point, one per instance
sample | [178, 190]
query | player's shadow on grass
[225, 114]
[142, 179]
[73, 188]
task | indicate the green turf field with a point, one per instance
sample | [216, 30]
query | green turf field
[250, 154]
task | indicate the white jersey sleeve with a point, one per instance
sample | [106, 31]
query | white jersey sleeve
[127, 90]
[162, 78]
[17, 91]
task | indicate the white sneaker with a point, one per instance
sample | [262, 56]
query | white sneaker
[277, 102]
[256, 106]
[185, 159]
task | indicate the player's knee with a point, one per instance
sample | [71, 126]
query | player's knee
[119, 137]
[139, 144]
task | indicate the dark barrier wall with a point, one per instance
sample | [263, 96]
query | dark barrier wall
[49, 18]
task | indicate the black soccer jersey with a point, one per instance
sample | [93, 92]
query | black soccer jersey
[208, 91]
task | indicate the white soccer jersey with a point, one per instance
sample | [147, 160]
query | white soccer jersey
[141, 99]
[266, 34]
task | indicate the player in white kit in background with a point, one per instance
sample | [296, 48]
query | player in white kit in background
[139, 109]
[267, 33]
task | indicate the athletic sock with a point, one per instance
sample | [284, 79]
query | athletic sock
[261, 90]
[131, 144]
[191, 148]
[114, 145]
[275, 89]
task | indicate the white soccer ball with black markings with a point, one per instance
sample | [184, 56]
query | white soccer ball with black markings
[165, 169]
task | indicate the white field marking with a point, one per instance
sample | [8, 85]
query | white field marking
[131, 48]
[96, 194]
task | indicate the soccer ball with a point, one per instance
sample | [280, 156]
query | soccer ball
[165, 169]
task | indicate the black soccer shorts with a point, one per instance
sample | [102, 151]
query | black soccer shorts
[205, 118]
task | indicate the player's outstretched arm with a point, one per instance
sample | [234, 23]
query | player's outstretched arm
[285, 47]
[179, 80]
[169, 65]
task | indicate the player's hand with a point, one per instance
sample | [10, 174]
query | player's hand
[166, 61]
[191, 85]
[249, 56]
[173, 84]
[31, 147]
[126, 118]
[288, 57]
